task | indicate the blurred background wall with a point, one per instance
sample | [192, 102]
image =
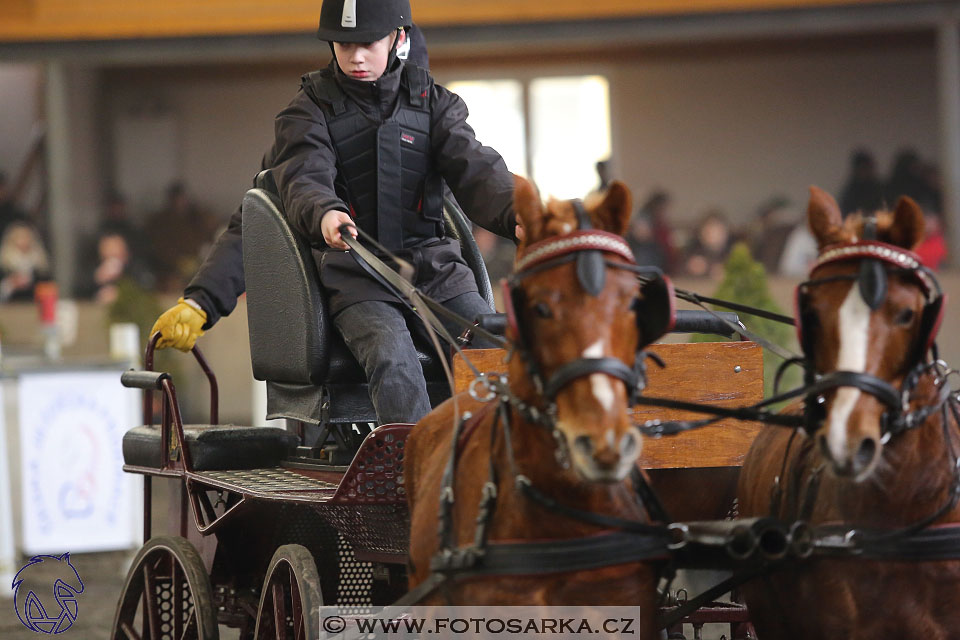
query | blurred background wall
[725, 105]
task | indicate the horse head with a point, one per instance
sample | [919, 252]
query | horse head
[573, 300]
[866, 319]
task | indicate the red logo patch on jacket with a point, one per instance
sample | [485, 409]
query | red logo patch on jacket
[406, 137]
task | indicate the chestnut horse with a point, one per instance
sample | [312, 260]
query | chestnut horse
[581, 332]
[879, 453]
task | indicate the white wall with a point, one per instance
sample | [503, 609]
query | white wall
[715, 127]
[19, 110]
[225, 123]
[736, 129]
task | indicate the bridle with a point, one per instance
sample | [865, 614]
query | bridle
[588, 248]
[876, 260]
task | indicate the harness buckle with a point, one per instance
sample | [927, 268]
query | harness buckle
[447, 495]
[679, 534]
[474, 386]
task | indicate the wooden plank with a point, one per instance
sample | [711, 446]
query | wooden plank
[24, 20]
[696, 372]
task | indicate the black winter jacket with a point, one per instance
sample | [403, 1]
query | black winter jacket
[303, 163]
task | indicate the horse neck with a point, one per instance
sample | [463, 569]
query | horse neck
[916, 473]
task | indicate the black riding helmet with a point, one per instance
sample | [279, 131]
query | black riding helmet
[362, 20]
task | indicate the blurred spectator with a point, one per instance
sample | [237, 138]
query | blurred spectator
[933, 250]
[9, 210]
[863, 190]
[647, 251]
[115, 261]
[774, 222]
[116, 219]
[799, 252]
[709, 247]
[931, 180]
[657, 210]
[604, 175]
[23, 262]
[908, 178]
[178, 236]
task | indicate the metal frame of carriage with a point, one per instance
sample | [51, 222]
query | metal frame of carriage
[265, 537]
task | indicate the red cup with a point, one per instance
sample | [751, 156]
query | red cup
[45, 296]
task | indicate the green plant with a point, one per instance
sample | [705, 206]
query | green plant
[745, 282]
[134, 304]
[141, 307]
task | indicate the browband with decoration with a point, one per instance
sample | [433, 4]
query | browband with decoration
[888, 253]
[571, 242]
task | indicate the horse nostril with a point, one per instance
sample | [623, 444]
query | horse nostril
[865, 453]
[584, 444]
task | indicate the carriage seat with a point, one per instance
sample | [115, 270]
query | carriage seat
[311, 375]
[213, 447]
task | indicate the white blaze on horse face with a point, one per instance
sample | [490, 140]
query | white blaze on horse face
[854, 323]
[602, 389]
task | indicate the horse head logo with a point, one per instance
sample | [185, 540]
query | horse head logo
[32, 586]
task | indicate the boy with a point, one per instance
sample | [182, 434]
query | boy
[369, 141]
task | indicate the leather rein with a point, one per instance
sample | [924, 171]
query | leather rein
[623, 541]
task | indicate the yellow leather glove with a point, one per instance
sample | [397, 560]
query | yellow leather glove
[180, 325]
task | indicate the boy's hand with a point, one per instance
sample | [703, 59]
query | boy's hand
[180, 325]
[330, 227]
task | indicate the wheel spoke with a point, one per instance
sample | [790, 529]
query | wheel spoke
[176, 598]
[296, 607]
[279, 610]
[151, 605]
[129, 632]
[190, 625]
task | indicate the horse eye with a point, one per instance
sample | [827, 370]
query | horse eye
[905, 317]
[542, 310]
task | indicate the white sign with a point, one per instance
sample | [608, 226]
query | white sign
[74, 494]
[8, 554]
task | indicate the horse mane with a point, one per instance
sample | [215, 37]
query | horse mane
[903, 226]
[852, 229]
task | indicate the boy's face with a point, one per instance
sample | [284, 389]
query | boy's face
[366, 60]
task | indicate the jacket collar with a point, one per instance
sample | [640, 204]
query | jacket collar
[379, 96]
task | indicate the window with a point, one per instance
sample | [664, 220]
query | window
[567, 120]
[570, 133]
[496, 114]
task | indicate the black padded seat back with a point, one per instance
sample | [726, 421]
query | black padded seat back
[286, 307]
[458, 226]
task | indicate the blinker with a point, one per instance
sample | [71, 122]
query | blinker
[872, 282]
[591, 270]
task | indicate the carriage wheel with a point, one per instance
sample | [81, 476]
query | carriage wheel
[290, 600]
[166, 595]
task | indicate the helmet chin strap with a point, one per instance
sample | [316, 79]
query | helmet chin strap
[392, 58]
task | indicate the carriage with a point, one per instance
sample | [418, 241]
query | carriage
[269, 523]
[272, 523]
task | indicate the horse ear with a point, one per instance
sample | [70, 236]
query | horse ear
[613, 213]
[908, 227]
[824, 217]
[528, 208]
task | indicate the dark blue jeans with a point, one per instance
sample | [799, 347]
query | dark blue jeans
[378, 334]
